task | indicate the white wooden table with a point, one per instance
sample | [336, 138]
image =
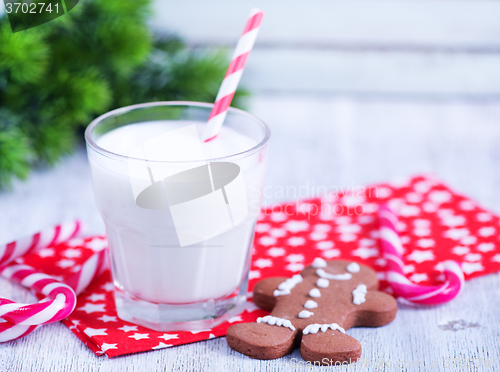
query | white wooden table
[325, 141]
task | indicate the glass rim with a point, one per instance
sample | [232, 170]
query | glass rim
[94, 123]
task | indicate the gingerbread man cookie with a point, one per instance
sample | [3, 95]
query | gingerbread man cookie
[312, 310]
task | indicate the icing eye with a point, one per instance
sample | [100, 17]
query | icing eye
[319, 263]
[353, 267]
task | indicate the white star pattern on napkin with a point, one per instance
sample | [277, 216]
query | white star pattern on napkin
[105, 347]
[343, 220]
[91, 332]
[76, 268]
[426, 243]
[296, 266]
[278, 217]
[64, 263]
[467, 205]
[276, 252]
[127, 328]
[267, 240]
[486, 247]
[97, 244]
[106, 318]
[318, 235]
[420, 256]
[419, 231]
[367, 242]
[453, 221]
[263, 262]
[459, 250]
[484, 217]
[348, 238]
[430, 207]
[473, 257]
[295, 257]
[323, 227]
[467, 240]
[364, 220]
[92, 308]
[409, 210]
[414, 197]
[108, 287]
[296, 226]
[139, 336]
[331, 253]
[262, 227]
[167, 336]
[76, 242]
[46, 252]
[383, 192]
[456, 234]
[469, 267]
[72, 253]
[417, 278]
[408, 269]
[487, 231]
[381, 261]
[253, 274]
[296, 241]
[96, 297]
[422, 187]
[365, 252]
[278, 233]
[161, 345]
[327, 244]
[440, 196]
[421, 223]
[401, 226]
[348, 229]
[204, 330]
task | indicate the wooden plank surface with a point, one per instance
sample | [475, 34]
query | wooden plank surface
[407, 74]
[321, 141]
[333, 23]
[446, 48]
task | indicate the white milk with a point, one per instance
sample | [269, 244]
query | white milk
[148, 262]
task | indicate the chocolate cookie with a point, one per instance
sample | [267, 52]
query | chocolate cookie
[312, 310]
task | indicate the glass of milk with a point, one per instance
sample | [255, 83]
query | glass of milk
[179, 212]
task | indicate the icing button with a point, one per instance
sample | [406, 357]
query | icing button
[322, 283]
[319, 263]
[310, 304]
[353, 267]
[305, 314]
[315, 293]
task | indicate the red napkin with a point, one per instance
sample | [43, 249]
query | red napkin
[436, 224]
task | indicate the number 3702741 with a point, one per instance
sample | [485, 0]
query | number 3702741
[35, 8]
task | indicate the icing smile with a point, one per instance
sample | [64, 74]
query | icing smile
[320, 263]
[323, 274]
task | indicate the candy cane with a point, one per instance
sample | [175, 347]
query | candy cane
[57, 234]
[392, 251]
[91, 269]
[59, 299]
[233, 74]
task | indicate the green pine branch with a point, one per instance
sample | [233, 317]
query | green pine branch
[57, 77]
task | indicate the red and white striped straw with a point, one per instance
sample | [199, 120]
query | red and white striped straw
[233, 75]
[392, 251]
